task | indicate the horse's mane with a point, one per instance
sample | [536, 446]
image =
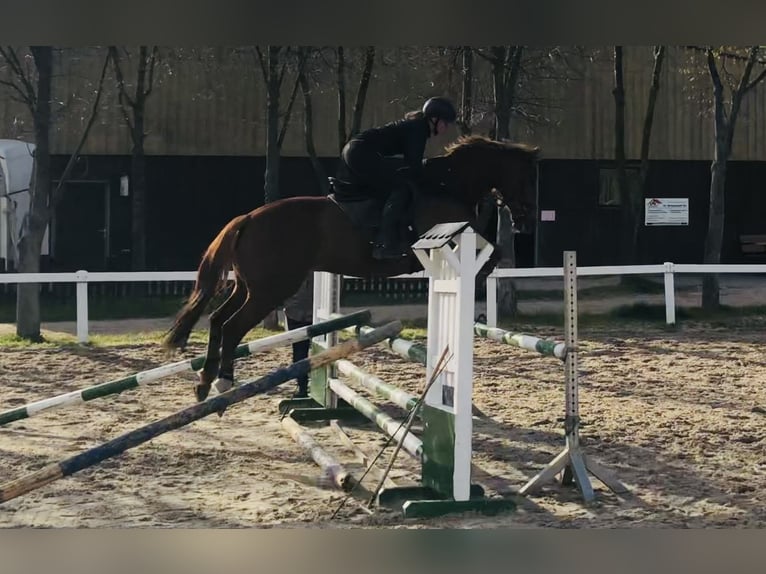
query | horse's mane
[483, 142]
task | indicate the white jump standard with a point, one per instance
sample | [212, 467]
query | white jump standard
[451, 254]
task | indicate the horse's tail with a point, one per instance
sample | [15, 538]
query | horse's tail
[211, 276]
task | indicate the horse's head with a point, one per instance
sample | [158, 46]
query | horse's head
[509, 170]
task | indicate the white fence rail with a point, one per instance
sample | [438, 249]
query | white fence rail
[668, 270]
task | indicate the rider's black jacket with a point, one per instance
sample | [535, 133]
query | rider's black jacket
[406, 137]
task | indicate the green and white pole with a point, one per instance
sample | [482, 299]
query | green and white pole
[376, 385]
[181, 418]
[410, 350]
[387, 424]
[143, 377]
[523, 341]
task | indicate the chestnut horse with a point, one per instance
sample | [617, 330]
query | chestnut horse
[273, 248]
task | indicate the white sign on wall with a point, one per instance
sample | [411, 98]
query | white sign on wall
[667, 211]
[548, 215]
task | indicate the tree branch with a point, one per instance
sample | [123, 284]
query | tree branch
[288, 112]
[115, 56]
[756, 81]
[725, 54]
[284, 65]
[746, 85]
[29, 97]
[122, 92]
[720, 111]
[57, 193]
[340, 79]
[152, 62]
[22, 75]
[654, 87]
[263, 64]
[736, 100]
[24, 99]
[513, 76]
[466, 105]
[361, 94]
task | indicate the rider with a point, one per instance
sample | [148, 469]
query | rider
[368, 156]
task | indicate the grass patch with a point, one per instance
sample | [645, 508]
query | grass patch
[63, 340]
[50, 342]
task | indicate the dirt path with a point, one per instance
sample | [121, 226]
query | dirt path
[678, 415]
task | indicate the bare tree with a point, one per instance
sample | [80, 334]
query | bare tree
[506, 67]
[520, 92]
[274, 67]
[631, 195]
[134, 112]
[734, 89]
[308, 128]
[31, 83]
[361, 93]
[466, 102]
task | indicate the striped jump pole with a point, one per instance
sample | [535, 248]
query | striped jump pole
[135, 380]
[416, 352]
[410, 350]
[546, 347]
[375, 385]
[390, 426]
[331, 468]
[185, 416]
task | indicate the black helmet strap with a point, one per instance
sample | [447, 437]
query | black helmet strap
[433, 121]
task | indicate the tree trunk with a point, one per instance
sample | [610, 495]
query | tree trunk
[271, 184]
[502, 110]
[466, 105]
[361, 94]
[646, 136]
[627, 214]
[138, 188]
[308, 132]
[506, 63]
[507, 298]
[341, 81]
[714, 238]
[724, 135]
[30, 244]
[138, 168]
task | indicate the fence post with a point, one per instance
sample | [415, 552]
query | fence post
[82, 306]
[670, 294]
[491, 301]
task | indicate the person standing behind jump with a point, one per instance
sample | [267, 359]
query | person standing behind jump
[369, 156]
[299, 312]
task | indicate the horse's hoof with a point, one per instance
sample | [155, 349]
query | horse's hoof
[223, 385]
[201, 391]
[205, 377]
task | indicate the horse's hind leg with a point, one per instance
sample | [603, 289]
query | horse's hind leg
[234, 329]
[217, 319]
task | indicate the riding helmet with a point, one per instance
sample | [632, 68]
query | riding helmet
[440, 108]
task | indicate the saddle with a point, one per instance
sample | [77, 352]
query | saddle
[362, 207]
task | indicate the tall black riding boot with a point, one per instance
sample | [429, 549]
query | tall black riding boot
[389, 244]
